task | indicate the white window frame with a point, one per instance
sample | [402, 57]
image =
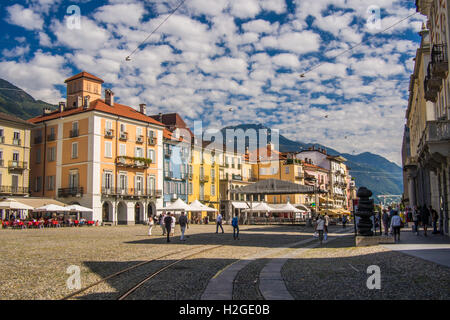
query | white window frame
[74, 156]
[108, 144]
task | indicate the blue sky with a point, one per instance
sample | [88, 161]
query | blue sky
[213, 55]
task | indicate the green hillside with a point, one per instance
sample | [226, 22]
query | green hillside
[15, 101]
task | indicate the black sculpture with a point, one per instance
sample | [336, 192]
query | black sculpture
[365, 212]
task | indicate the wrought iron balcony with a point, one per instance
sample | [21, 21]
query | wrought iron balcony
[132, 162]
[17, 142]
[123, 136]
[17, 165]
[140, 139]
[70, 192]
[152, 141]
[167, 152]
[13, 190]
[435, 133]
[204, 178]
[51, 137]
[74, 133]
[432, 85]
[439, 60]
[109, 133]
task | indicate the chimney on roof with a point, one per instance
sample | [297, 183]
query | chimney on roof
[143, 108]
[86, 102]
[246, 150]
[61, 106]
[109, 97]
[269, 149]
[46, 111]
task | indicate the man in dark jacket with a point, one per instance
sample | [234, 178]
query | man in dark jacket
[168, 224]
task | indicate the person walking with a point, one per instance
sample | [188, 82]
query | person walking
[434, 217]
[150, 225]
[344, 221]
[396, 224]
[183, 221]
[416, 218]
[219, 223]
[168, 225]
[325, 230]
[385, 218]
[235, 224]
[425, 218]
[172, 229]
[320, 226]
[162, 216]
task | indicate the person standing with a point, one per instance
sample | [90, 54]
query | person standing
[434, 217]
[396, 224]
[219, 223]
[150, 225]
[172, 215]
[235, 224]
[425, 218]
[168, 225]
[385, 218]
[183, 221]
[416, 217]
[327, 222]
[320, 226]
[162, 216]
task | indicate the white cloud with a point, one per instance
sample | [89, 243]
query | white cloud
[128, 14]
[24, 17]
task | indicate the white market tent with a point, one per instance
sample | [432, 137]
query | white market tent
[286, 208]
[261, 207]
[78, 208]
[197, 206]
[178, 205]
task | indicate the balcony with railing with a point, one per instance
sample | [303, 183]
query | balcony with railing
[140, 139]
[436, 137]
[131, 192]
[17, 165]
[299, 176]
[439, 60]
[70, 192]
[168, 174]
[13, 190]
[17, 142]
[74, 133]
[167, 152]
[204, 178]
[133, 162]
[109, 133]
[51, 137]
[152, 141]
[123, 136]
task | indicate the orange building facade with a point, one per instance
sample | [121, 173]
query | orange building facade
[99, 154]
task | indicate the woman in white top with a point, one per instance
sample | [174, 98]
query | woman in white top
[396, 224]
[172, 231]
[150, 226]
[320, 226]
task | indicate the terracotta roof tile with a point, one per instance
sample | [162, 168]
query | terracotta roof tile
[85, 75]
[99, 105]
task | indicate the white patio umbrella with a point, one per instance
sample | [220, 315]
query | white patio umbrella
[11, 204]
[51, 208]
[287, 208]
[77, 208]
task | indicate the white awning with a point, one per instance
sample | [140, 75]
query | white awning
[239, 205]
[197, 206]
[178, 205]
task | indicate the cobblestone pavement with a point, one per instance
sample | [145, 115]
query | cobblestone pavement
[34, 264]
[339, 271]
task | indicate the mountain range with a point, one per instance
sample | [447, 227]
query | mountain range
[369, 170]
